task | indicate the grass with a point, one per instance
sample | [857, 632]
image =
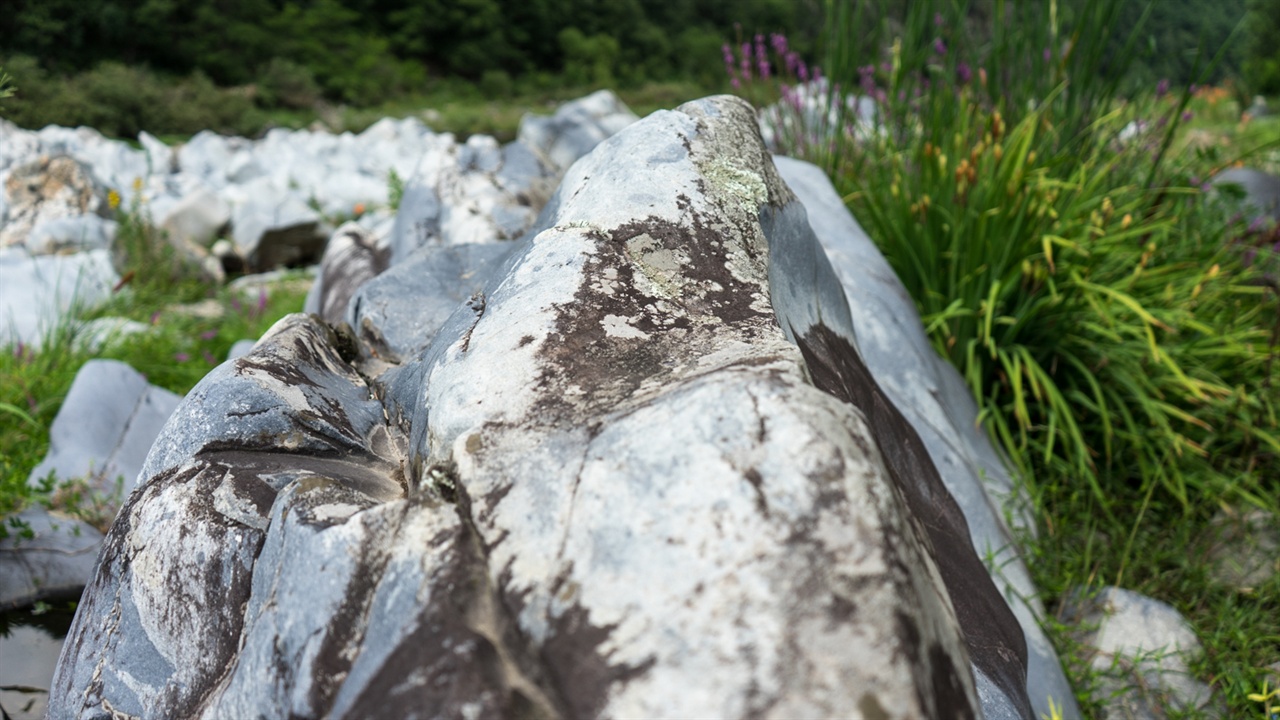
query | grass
[1116, 326]
[176, 350]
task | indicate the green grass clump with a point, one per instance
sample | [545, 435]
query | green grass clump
[177, 349]
[1116, 323]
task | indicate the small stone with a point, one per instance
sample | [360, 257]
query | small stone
[1243, 548]
[1141, 649]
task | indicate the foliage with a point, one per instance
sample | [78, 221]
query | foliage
[1176, 36]
[120, 100]
[1262, 52]
[1115, 320]
[367, 51]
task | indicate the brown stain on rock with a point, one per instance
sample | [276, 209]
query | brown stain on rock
[991, 632]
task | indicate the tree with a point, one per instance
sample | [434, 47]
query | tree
[1262, 46]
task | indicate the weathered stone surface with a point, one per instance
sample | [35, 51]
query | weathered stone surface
[647, 450]
[195, 219]
[46, 189]
[71, 233]
[53, 563]
[274, 228]
[351, 259]
[438, 278]
[934, 399]
[575, 128]
[1140, 649]
[104, 429]
[1261, 190]
[39, 290]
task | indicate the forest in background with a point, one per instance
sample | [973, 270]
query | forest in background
[176, 66]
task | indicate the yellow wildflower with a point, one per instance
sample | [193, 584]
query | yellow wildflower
[113, 199]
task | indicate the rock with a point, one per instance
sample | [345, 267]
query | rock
[49, 188]
[161, 159]
[935, 400]
[439, 278]
[96, 335]
[1140, 649]
[1261, 190]
[240, 349]
[648, 450]
[350, 260]
[277, 229]
[195, 219]
[39, 292]
[1243, 548]
[575, 128]
[72, 233]
[53, 563]
[107, 423]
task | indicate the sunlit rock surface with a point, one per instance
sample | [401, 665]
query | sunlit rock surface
[634, 464]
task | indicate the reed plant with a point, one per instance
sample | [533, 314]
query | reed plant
[1114, 315]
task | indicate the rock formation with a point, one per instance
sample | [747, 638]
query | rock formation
[633, 464]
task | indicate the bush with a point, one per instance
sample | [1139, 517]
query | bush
[588, 60]
[1081, 285]
[284, 83]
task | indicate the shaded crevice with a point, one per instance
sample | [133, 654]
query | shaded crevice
[516, 651]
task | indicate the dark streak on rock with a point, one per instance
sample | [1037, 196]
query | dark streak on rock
[757, 483]
[579, 352]
[991, 632]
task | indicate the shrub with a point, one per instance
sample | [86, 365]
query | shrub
[1087, 293]
[284, 83]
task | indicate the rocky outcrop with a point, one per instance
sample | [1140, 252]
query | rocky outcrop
[562, 477]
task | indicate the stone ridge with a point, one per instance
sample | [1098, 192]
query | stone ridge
[608, 485]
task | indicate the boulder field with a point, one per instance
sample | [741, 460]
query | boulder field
[674, 446]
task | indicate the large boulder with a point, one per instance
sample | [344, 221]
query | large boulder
[46, 189]
[37, 293]
[45, 556]
[575, 128]
[642, 470]
[105, 428]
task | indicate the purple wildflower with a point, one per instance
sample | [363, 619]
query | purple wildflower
[208, 334]
[1249, 255]
[937, 19]
[262, 300]
[20, 350]
[728, 59]
[803, 73]
[779, 42]
[209, 358]
[1256, 225]
[939, 47]
[745, 65]
[181, 357]
[1186, 116]
[1162, 88]
[155, 317]
[762, 58]
[735, 83]
[1047, 55]
[963, 73]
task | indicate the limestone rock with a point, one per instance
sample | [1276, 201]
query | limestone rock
[648, 449]
[52, 563]
[49, 188]
[575, 128]
[71, 233]
[276, 229]
[105, 427]
[195, 219]
[1141, 649]
[39, 291]
[934, 399]
[1261, 189]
